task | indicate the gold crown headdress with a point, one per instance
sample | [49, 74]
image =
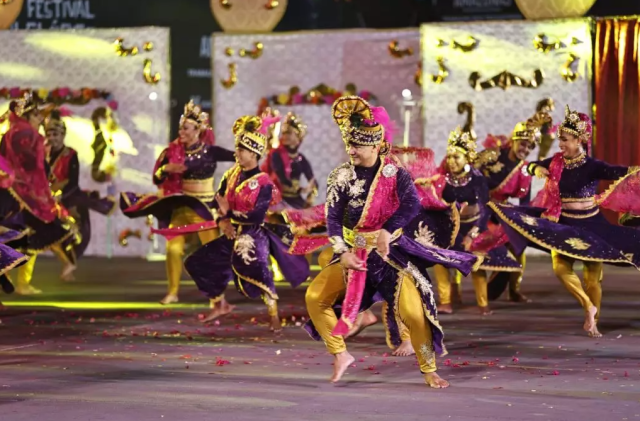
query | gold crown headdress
[194, 113]
[294, 123]
[461, 141]
[577, 124]
[248, 134]
[54, 122]
[26, 103]
[356, 121]
[530, 130]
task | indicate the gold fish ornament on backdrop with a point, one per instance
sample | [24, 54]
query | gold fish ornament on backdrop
[248, 16]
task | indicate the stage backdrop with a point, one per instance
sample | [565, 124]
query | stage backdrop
[503, 69]
[306, 60]
[478, 62]
[87, 58]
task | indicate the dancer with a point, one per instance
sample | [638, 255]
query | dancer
[286, 165]
[48, 223]
[64, 173]
[502, 163]
[184, 174]
[462, 184]
[9, 258]
[242, 254]
[567, 221]
[369, 200]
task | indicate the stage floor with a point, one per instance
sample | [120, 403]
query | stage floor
[100, 349]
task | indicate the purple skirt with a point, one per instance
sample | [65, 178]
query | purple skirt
[434, 228]
[135, 205]
[9, 258]
[580, 234]
[499, 259]
[245, 260]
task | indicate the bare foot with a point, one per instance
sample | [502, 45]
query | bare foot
[485, 311]
[274, 325]
[67, 273]
[221, 309]
[595, 333]
[27, 290]
[590, 320]
[445, 309]
[341, 362]
[404, 350]
[169, 299]
[435, 381]
[518, 297]
[364, 320]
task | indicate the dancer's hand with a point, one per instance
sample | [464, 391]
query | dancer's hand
[466, 242]
[349, 260]
[174, 168]
[227, 229]
[541, 172]
[223, 204]
[384, 238]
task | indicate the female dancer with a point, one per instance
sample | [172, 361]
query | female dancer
[567, 221]
[29, 197]
[462, 184]
[184, 174]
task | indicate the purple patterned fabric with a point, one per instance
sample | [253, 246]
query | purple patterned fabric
[582, 181]
[201, 161]
[246, 259]
[345, 209]
[579, 235]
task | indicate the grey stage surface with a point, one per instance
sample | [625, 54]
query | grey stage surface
[99, 349]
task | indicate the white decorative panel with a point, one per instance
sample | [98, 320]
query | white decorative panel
[502, 46]
[306, 60]
[87, 58]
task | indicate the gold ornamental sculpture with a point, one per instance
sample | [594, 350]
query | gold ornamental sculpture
[9, 12]
[248, 15]
[548, 9]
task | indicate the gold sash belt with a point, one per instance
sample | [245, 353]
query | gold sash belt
[366, 240]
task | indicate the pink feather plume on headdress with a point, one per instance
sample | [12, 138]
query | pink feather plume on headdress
[381, 117]
[266, 123]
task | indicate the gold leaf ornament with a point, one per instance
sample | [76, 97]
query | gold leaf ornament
[123, 51]
[470, 45]
[578, 244]
[443, 73]
[505, 80]
[150, 77]
[232, 79]
[567, 72]
[397, 52]
[254, 53]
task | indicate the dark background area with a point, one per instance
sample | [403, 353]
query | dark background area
[192, 22]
